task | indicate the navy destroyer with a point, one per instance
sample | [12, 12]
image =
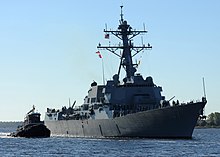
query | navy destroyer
[128, 107]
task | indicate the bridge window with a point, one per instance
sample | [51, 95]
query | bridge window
[93, 100]
[88, 99]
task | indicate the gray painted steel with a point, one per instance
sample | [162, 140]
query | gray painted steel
[128, 107]
[170, 122]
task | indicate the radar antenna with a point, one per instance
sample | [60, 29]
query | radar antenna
[126, 34]
[121, 13]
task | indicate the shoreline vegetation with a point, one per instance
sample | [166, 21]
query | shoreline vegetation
[211, 121]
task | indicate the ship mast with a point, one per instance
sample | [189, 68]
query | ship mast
[125, 33]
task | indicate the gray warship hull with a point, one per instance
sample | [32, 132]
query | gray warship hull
[170, 122]
[129, 107]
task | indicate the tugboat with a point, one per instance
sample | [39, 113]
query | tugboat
[32, 126]
[128, 107]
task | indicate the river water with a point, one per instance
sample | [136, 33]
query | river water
[205, 142]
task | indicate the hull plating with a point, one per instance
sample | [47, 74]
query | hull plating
[170, 122]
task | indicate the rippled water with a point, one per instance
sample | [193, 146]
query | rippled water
[205, 142]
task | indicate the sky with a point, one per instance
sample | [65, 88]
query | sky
[47, 50]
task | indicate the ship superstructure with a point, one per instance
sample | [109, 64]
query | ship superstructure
[131, 107]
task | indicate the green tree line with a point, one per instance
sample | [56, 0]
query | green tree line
[212, 120]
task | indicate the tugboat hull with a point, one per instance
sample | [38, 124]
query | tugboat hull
[32, 131]
[169, 122]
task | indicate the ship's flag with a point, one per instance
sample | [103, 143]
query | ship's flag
[106, 36]
[98, 53]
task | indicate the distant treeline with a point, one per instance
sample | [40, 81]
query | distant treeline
[212, 120]
[9, 124]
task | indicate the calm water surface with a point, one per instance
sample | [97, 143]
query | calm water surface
[205, 142]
